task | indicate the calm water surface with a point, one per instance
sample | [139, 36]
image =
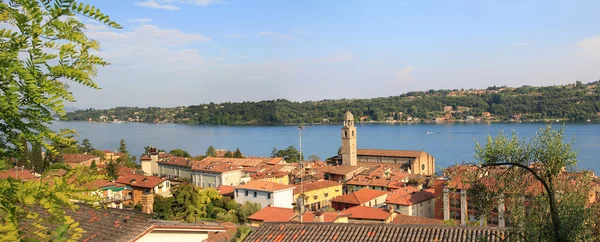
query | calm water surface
[448, 143]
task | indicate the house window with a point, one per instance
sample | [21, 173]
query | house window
[369, 203]
[237, 194]
[352, 133]
[346, 134]
[246, 194]
[326, 194]
[423, 167]
[268, 195]
[255, 194]
[376, 202]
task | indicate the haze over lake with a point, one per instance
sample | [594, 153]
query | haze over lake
[448, 143]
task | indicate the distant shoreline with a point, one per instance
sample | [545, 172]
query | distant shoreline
[363, 122]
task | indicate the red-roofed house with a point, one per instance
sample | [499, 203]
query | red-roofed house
[420, 203]
[277, 177]
[362, 214]
[113, 194]
[141, 184]
[318, 194]
[265, 193]
[364, 197]
[74, 160]
[21, 174]
[275, 214]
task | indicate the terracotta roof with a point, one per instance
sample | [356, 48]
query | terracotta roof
[78, 158]
[126, 170]
[275, 161]
[57, 172]
[410, 199]
[264, 186]
[328, 216]
[343, 170]
[263, 175]
[140, 180]
[145, 157]
[405, 219]
[237, 161]
[359, 197]
[22, 174]
[220, 236]
[119, 224]
[98, 184]
[218, 168]
[223, 189]
[389, 153]
[363, 212]
[321, 232]
[273, 214]
[311, 186]
[107, 151]
[178, 161]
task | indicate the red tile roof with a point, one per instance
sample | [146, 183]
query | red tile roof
[264, 186]
[344, 170]
[140, 180]
[237, 161]
[362, 212]
[145, 157]
[405, 219]
[389, 153]
[223, 189]
[217, 168]
[98, 184]
[263, 175]
[275, 161]
[311, 186]
[78, 158]
[378, 232]
[410, 199]
[359, 197]
[22, 174]
[273, 214]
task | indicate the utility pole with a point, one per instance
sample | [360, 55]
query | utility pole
[301, 209]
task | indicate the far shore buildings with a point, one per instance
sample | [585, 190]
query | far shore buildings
[413, 161]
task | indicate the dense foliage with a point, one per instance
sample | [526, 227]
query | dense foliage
[545, 199]
[192, 204]
[575, 102]
[291, 154]
[42, 49]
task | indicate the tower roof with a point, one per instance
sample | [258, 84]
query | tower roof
[348, 116]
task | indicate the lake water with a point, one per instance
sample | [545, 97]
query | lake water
[448, 143]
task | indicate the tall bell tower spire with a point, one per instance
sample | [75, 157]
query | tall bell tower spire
[348, 150]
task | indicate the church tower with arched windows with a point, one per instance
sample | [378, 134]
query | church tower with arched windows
[348, 149]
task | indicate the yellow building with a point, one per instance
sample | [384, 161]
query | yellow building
[276, 177]
[318, 194]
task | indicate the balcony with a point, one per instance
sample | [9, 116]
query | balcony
[116, 199]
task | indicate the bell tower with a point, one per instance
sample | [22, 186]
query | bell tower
[348, 150]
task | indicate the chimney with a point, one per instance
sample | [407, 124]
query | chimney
[319, 217]
[147, 203]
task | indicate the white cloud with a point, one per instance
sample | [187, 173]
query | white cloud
[140, 20]
[589, 47]
[302, 32]
[154, 4]
[223, 51]
[235, 36]
[275, 34]
[146, 35]
[525, 43]
[405, 74]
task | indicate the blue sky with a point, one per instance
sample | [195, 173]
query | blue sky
[183, 52]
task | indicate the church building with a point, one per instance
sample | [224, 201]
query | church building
[414, 161]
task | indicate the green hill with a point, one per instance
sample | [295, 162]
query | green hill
[568, 102]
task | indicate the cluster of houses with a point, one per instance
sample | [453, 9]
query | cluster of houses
[392, 190]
